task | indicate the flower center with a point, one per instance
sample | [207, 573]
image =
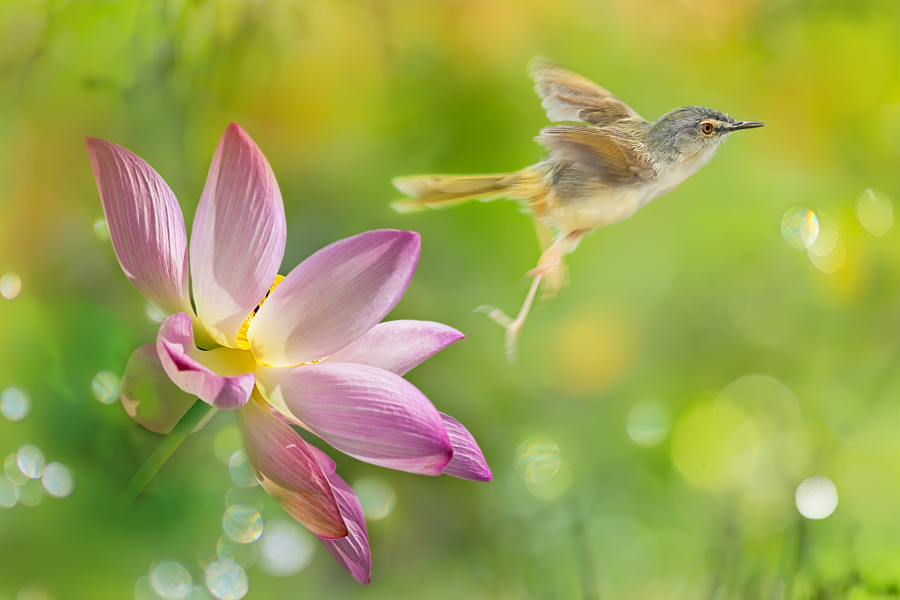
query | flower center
[242, 341]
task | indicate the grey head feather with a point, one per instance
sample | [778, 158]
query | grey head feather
[677, 136]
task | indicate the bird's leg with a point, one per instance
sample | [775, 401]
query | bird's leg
[556, 278]
[551, 262]
[550, 265]
[513, 326]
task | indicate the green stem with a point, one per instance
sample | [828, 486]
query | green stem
[162, 453]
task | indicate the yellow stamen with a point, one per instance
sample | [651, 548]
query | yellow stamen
[242, 341]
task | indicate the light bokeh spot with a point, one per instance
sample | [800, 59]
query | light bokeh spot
[243, 554]
[240, 469]
[555, 487]
[537, 460]
[31, 461]
[800, 227]
[33, 593]
[105, 386]
[816, 497]
[12, 471]
[875, 212]
[377, 497]
[833, 260]
[199, 593]
[154, 314]
[32, 493]
[827, 238]
[242, 523]
[14, 404]
[9, 493]
[10, 285]
[715, 446]
[101, 230]
[226, 580]
[58, 480]
[171, 580]
[648, 423]
[286, 548]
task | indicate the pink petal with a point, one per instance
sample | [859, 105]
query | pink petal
[238, 237]
[398, 346]
[149, 396]
[221, 377]
[289, 469]
[366, 412]
[334, 297]
[467, 461]
[145, 225]
[351, 551]
[324, 460]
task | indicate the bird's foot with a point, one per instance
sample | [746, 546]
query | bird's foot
[512, 326]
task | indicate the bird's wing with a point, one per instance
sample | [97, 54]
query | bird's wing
[608, 154]
[567, 96]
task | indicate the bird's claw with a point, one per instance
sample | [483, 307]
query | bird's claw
[495, 314]
[512, 326]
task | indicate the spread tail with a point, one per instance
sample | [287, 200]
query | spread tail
[441, 191]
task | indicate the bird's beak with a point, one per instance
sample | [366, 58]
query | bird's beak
[745, 125]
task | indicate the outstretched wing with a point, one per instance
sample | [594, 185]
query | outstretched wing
[567, 96]
[606, 153]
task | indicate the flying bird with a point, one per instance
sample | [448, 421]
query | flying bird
[596, 173]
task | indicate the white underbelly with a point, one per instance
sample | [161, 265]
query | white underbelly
[597, 205]
[600, 209]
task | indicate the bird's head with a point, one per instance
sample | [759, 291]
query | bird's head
[692, 133]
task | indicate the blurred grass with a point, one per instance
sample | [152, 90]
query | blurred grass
[698, 290]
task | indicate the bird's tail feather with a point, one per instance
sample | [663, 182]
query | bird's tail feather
[441, 191]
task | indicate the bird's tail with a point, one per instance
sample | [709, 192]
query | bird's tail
[441, 191]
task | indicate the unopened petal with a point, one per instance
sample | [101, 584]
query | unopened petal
[238, 236]
[221, 377]
[366, 412]
[398, 346]
[149, 396]
[289, 469]
[145, 225]
[334, 297]
[351, 551]
[468, 460]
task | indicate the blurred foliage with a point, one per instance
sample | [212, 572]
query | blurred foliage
[762, 370]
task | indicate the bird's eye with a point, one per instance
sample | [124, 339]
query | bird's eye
[707, 128]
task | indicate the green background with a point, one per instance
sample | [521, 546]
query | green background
[768, 370]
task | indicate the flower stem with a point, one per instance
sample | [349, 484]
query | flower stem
[162, 453]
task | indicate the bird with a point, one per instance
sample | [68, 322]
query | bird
[598, 171]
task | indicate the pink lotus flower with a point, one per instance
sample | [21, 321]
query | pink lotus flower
[307, 348]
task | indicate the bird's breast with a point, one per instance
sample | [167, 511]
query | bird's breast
[674, 174]
[581, 203]
[593, 205]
